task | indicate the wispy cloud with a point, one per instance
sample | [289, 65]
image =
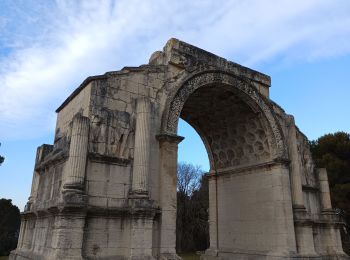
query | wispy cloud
[48, 48]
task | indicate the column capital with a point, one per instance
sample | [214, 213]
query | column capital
[80, 118]
[290, 120]
[138, 194]
[170, 138]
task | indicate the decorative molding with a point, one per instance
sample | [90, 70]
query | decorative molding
[171, 138]
[217, 79]
[310, 188]
[243, 170]
[56, 156]
[100, 158]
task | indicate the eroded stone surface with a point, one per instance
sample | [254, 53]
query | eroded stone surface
[106, 188]
[233, 133]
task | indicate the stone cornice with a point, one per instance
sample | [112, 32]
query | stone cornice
[182, 54]
[171, 138]
[310, 188]
[101, 158]
[244, 169]
[53, 158]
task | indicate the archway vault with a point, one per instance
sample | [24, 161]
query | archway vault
[106, 188]
[235, 122]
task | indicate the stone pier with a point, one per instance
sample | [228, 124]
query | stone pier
[106, 188]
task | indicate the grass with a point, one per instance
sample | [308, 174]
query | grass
[3, 257]
[188, 256]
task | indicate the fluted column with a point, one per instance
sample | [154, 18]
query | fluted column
[324, 189]
[295, 166]
[75, 172]
[142, 147]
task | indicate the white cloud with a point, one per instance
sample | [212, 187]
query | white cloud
[55, 46]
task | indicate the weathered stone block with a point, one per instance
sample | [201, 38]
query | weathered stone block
[106, 189]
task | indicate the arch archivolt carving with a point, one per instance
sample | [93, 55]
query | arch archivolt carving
[240, 86]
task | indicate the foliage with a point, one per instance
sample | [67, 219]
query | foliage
[188, 178]
[192, 230]
[2, 158]
[9, 226]
[332, 151]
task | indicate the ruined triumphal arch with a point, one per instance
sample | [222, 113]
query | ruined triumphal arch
[106, 188]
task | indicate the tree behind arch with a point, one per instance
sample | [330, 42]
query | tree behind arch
[332, 151]
[192, 229]
[10, 222]
[2, 158]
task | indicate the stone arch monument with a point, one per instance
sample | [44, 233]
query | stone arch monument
[106, 188]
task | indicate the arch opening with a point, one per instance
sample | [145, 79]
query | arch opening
[248, 181]
[234, 133]
[192, 229]
[241, 88]
[244, 143]
[236, 136]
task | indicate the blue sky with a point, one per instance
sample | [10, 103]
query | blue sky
[47, 48]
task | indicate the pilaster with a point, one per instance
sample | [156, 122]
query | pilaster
[213, 214]
[168, 180]
[295, 166]
[67, 235]
[324, 189]
[331, 240]
[302, 221]
[142, 220]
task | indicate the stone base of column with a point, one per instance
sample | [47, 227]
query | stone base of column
[21, 254]
[143, 212]
[138, 195]
[303, 232]
[271, 257]
[210, 254]
[330, 216]
[27, 255]
[209, 257]
[67, 235]
[330, 225]
[169, 256]
[257, 255]
[139, 203]
[73, 198]
[144, 257]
